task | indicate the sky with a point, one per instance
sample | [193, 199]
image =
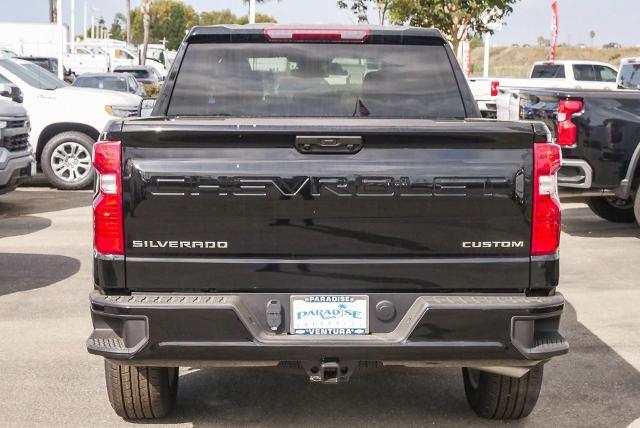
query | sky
[612, 20]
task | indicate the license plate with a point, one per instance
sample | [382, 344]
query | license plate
[329, 315]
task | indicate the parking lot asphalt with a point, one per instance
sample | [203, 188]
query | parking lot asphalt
[48, 379]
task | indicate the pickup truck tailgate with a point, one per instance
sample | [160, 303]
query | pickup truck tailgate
[236, 204]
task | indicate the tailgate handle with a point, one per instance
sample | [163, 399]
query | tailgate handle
[328, 144]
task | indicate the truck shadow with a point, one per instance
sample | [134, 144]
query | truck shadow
[583, 223]
[22, 272]
[23, 225]
[591, 386]
[26, 202]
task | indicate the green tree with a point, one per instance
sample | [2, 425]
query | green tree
[172, 18]
[215, 17]
[117, 31]
[360, 8]
[455, 18]
[260, 17]
[542, 42]
[168, 19]
[476, 42]
[225, 16]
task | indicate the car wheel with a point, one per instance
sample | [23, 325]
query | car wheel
[141, 392]
[636, 205]
[66, 161]
[494, 396]
[612, 209]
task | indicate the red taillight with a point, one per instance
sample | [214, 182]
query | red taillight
[494, 88]
[284, 34]
[545, 237]
[108, 236]
[567, 130]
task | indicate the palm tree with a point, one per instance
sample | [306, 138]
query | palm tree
[128, 21]
[145, 8]
[53, 15]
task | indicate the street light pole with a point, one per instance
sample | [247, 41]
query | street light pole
[73, 25]
[252, 11]
[84, 28]
[60, 39]
[487, 47]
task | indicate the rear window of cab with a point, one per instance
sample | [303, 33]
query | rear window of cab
[317, 80]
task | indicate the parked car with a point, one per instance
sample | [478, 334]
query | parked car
[65, 121]
[16, 161]
[121, 82]
[599, 135]
[565, 74]
[143, 73]
[254, 221]
[629, 74]
[50, 64]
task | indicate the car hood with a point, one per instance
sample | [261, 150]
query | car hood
[9, 108]
[101, 96]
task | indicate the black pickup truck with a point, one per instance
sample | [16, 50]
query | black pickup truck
[599, 132]
[275, 211]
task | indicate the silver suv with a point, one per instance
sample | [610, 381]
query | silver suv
[16, 160]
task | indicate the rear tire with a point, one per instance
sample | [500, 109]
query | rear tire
[141, 392]
[494, 396]
[66, 161]
[612, 209]
[636, 206]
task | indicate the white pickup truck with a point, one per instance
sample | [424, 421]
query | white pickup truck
[85, 60]
[65, 120]
[565, 74]
[629, 74]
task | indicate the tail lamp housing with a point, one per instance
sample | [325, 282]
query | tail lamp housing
[567, 130]
[494, 88]
[545, 236]
[108, 235]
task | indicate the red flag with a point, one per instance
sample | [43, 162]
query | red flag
[554, 30]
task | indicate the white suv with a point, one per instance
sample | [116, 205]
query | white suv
[65, 120]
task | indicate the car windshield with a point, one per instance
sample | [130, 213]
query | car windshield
[630, 76]
[33, 75]
[318, 80]
[137, 73]
[102, 82]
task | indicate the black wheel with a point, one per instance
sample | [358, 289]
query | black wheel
[66, 161]
[494, 396]
[612, 209]
[636, 206]
[141, 392]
